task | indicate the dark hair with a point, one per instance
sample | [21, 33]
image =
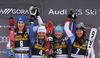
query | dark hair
[17, 29]
[82, 40]
[83, 36]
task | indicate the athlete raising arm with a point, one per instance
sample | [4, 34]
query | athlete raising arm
[21, 43]
[79, 45]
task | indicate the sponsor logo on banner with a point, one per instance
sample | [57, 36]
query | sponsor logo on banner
[14, 11]
[58, 12]
[4, 26]
[3, 52]
[4, 39]
[7, 26]
[78, 11]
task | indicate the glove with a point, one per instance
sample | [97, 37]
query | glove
[32, 19]
[12, 50]
[37, 14]
[72, 14]
[44, 56]
[34, 11]
[11, 56]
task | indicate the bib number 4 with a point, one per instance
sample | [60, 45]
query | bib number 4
[40, 52]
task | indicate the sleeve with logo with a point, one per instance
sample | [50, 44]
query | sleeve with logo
[68, 32]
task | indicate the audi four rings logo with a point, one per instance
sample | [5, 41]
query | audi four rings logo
[14, 11]
[4, 39]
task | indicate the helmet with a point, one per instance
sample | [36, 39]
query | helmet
[80, 26]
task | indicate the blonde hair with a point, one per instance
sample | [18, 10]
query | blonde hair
[59, 25]
[44, 24]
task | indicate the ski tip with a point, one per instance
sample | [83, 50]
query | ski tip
[94, 29]
[49, 24]
[11, 17]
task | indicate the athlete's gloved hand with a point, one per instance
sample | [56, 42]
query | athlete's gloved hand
[37, 14]
[50, 39]
[72, 14]
[32, 19]
[34, 11]
[11, 56]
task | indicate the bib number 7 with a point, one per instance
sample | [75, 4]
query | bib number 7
[78, 49]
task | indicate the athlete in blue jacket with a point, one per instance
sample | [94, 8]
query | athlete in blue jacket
[37, 42]
[21, 40]
[61, 44]
[21, 49]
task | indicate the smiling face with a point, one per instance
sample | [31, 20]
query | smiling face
[58, 34]
[41, 35]
[79, 32]
[21, 25]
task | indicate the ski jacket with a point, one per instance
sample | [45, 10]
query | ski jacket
[22, 39]
[78, 51]
[37, 47]
[61, 47]
[21, 43]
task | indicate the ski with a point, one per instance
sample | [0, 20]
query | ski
[92, 36]
[49, 34]
[11, 29]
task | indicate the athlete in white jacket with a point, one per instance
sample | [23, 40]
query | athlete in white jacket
[78, 40]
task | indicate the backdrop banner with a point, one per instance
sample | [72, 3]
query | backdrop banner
[50, 10]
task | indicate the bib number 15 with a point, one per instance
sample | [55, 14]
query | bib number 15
[59, 51]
